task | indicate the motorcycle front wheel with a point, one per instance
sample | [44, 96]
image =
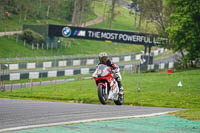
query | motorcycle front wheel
[103, 96]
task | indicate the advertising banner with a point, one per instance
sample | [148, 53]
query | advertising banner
[104, 35]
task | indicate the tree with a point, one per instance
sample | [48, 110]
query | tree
[2, 5]
[184, 28]
[142, 12]
[80, 12]
[154, 11]
[112, 13]
[104, 10]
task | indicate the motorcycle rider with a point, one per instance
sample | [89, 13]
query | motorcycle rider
[103, 58]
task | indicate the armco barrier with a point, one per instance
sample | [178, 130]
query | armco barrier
[70, 72]
[74, 62]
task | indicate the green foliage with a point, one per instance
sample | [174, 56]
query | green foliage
[184, 29]
[34, 12]
[152, 12]
[31, 37]
[40, 8]
[37, 12]
[68, 7]
[122, 21]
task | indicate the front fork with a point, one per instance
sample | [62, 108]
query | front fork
[105, 86]
[106, 89]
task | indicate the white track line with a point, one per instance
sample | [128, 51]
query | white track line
[80, 121]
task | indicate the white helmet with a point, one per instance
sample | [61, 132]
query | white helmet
[103, 57]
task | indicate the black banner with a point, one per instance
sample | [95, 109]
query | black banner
[104, 35]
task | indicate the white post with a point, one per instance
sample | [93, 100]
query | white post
[47, 46]
[138, 89]
[139, 80]
[17, 38]
[32, 46]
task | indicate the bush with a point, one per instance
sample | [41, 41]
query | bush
[32, 37]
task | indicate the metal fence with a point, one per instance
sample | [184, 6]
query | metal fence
[62, 57]
[75, 71]
[64, 61]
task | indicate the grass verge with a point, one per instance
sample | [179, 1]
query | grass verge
[158, 89]
[10, 48]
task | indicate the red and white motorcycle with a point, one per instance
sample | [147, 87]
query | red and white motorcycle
[107, 85]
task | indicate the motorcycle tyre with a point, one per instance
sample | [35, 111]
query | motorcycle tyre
[102, 98]
[120, 100]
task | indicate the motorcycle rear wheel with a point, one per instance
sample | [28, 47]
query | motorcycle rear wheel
[103, 97]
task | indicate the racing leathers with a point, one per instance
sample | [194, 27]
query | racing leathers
[115, 69]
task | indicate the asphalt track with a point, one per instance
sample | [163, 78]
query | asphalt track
[23, 114]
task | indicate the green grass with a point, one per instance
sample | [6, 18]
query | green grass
[191, 114]
[154, 91]
[122, 21]
[9, 48]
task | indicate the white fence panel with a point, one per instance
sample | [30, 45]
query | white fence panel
[31, 65]
[115, 59]
[84, 70]
[69, 72]
[162, 66]
[33, 75]
[171, 64]
[15, 76]
[47, 64]
[90, 61]
[62, 63]
[138, 56]
[76, 62]
[13, 66]
[52, 73]
[127, 58]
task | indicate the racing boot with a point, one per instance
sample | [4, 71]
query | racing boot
[121, 89]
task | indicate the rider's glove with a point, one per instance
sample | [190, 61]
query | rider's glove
[114, 71]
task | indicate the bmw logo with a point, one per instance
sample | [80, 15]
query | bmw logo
[66, 31]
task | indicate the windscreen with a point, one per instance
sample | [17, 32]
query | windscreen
[102, 70]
